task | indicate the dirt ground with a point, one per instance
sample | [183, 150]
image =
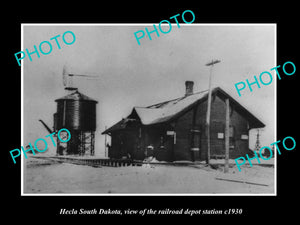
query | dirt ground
[42, 176]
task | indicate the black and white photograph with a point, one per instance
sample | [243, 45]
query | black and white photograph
[147, 109]
[149, 112]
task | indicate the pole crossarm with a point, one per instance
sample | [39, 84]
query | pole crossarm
[212, 62]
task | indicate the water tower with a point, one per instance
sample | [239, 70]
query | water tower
[77, 113]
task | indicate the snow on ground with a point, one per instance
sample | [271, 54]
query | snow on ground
[43, 176]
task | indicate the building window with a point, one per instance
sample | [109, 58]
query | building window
[220, 135]
[244, 137]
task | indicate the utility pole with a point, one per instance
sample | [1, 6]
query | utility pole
[227, 122]
[211, 64]
[105, 145]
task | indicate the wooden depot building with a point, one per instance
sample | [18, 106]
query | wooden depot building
[176, 129]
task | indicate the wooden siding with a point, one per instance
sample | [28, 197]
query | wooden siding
[183, 136]
[136, 143]
[184, 125]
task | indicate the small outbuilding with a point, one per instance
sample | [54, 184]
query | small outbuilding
[176, 129]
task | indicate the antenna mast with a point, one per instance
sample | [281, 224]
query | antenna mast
[68, 79]
[257, 144]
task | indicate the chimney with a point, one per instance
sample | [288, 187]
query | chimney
[189, 85]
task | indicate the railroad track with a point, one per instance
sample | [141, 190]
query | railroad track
[94, 162]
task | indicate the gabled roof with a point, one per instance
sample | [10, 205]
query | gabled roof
[164, 111]
[170, 110]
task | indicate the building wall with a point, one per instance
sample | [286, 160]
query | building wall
[240, 127]
[115, 150]
[162, 143]
[185, 125]
[238, 124]
[164, 148]
[136, 140]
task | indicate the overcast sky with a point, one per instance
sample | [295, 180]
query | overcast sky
[140, 75]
